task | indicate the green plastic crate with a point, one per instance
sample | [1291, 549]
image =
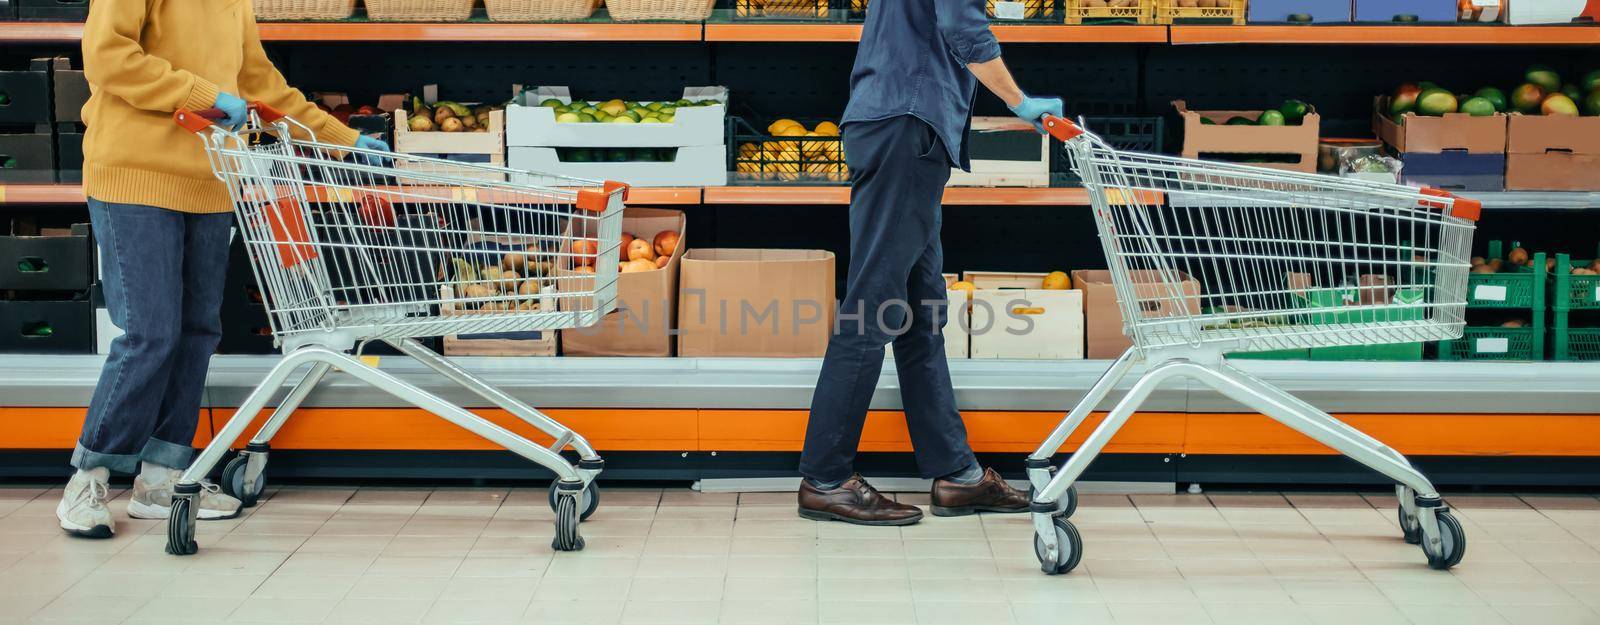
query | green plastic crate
[1522, 287]
[1496, 343]
[1391, 351]
[1576, 343]
[1572, 292]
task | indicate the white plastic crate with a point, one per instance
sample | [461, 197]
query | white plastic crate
[1001, 303]
[694, 166]
[531, 125]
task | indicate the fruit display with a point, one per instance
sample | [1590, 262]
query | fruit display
[1285, 137]
[1542, 92]
[617, 111]
[1290, 113]
[448, 116]
[789, 152]
[637, 254]
[780, 9]
[1103, 11]
[513, 281]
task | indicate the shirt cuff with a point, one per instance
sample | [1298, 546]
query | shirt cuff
[202, 95]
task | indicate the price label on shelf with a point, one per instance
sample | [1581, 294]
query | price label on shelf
[1489, 293]
[1494, 345]
[1004, 10]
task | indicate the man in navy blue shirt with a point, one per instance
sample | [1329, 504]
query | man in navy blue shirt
[911, 93]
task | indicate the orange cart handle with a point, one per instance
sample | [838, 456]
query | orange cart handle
[196, 121]
[1061, 128]
[596, 199]
[1465, 208]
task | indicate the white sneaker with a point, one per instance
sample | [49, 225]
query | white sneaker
[83, 510]
[154, 501]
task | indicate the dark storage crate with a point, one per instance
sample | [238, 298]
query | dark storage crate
[757, 157]
[47, 327]
[53, 10]
[1406, 11]
[1129, 133]
[1455, 171]
[71, 91]
[8, 10]
[28, 157]
[25, 94]
[1299, 11]
[48, 263]
[69, 157]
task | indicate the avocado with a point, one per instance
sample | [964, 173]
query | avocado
[1270, 117]
[1571, 91]
[1478, 107]
[1494, 96]
[1294, 111]
[619, 155]
[646, 155]
[1591, 103]
[1206, 121]
[1590, 82]
[1240, 120]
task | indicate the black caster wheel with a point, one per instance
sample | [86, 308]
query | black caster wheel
[1453, 542]
[567, 538]
[1066, 505]
[233, 481]
[1410, 529]
[180, 527]
[1068, 554]
[589, 499]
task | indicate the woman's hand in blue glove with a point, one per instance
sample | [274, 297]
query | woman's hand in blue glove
[1033, 110]
[234, 110]
[375, 144]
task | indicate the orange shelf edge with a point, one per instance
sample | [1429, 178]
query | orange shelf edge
[1569, 435]
[953, 196]
[1387, 35]
[479, 31]
[1006, 33]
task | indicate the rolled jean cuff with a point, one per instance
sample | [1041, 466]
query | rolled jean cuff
[172, 455]
[85, 460]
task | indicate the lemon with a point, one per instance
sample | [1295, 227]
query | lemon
[777, 127]
[827, 129]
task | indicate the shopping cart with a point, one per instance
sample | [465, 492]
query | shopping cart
[351, 246]
[1209, 259]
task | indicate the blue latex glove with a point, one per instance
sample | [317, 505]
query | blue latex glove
[375, 144]
[234, 110]
[1033, 110]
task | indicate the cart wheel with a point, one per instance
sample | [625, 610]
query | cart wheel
[1068, 553]
[233, 480]
[1066, 505]
[567, 538]
[590, 499]
[1410, 528]
[1453, 542]
[180, 526]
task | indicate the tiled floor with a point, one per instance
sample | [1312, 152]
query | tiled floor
[395, 556]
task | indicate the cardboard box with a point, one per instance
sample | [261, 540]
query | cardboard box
[29, 94]
[1317, 11]
[1103, 317]
[1220, 141]
[1005, 152]
[1555, 171]
[956, 320]
[692, 166]
[1539, 134]
[526, 343]
[1012, 317]
[1551, 11]
[47, 261]
[1552, 153]
[31, 156]
[71, 91]
[643, 323]
[756, 303]
[531, 125]
[1451, 132]
[1406, 11]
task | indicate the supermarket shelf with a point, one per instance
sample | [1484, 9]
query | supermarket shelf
[1006, 33]
[41, 194]
[1535, 200]
[659, 196]
[787, 384]
[57, 32]
[1388, 35]
[953, 196]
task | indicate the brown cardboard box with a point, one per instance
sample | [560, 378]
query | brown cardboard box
[1102, 317]
[1431, 135]
[753, 302]
[1552, 153]
[1553, 171]
[646, 300]
[1538, 134]
[1215, 142]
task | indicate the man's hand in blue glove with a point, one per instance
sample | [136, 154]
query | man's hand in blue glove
[1033, 110]
[365, 142]
[234, 110]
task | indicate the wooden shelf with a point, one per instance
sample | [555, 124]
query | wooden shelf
[953, 196]
[40, 32]
[41, 194]
[1389, 35]
[1006, 33]
[479, 31]
[662, 196]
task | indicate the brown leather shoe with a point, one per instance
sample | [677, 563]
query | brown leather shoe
[854, 501]
[990, 494]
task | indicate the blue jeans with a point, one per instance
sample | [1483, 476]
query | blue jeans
[894, 292]
[164, 274]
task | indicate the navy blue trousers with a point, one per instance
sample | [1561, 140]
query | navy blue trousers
[894, 292]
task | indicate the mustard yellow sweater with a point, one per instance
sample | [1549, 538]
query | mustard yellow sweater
[145, 59]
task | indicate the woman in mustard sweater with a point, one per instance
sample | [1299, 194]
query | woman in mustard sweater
[163, 224]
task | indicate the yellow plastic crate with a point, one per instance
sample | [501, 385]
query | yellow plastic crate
[1170, 11]
[1080, 11]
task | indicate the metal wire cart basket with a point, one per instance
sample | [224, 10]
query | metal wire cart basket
[352, 246]
[1209, 259]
